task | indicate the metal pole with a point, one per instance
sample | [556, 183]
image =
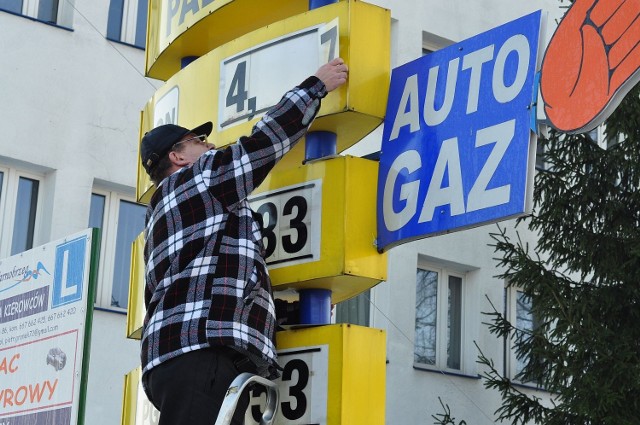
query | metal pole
[315, 306]
[187, 60]
[314, 4]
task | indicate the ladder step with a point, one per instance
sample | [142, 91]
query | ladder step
[242, 381]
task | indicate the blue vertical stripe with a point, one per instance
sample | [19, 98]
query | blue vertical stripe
[114, 24]
[141, 23]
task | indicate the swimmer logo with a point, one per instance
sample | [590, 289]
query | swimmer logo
[592, 62]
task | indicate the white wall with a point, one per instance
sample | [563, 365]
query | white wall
[112, 357]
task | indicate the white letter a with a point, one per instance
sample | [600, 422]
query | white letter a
[410, 115]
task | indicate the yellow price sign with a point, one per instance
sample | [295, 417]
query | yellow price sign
[253, 81]
[233, 85]
[318, 232]
[331, 375]
[319, 227]
[182, 28]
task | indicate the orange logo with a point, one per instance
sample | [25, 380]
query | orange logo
[592, 62]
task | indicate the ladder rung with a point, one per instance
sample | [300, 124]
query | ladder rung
[242, 381]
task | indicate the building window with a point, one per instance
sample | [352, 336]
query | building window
[355, 310]
[127, 22]
[20, 197]
[433, 42]
[96, 210]
[1, 205]
[520, 314]
[524, 322]
[49, 11]
[3, 211]
[121, 221]
[541, 165]
[25, 215]
[439, 318]
[599, 136]
[14, 6]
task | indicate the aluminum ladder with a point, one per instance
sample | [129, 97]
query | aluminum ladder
[230, 402]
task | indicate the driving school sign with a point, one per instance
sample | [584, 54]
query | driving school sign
[457, 150]
[46, 296]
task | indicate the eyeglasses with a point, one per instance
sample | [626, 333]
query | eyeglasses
[201, 139]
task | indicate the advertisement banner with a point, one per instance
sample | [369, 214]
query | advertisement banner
[457, 150]
[44, 319]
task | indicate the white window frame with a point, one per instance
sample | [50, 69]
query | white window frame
[109, 235]
[8, 197]
[441, 319]
[129, 21]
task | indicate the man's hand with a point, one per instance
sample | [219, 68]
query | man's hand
[591, 62]
[333, 74]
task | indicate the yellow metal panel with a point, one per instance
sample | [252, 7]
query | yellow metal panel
[144, 187]
[135, 308]
[349, 262]
[331, 172]
[342, 286]
[130, 397]
[363, 375]
[361, 257]
[136, 408]
[352, 111]
[177, 31]
[356, 375]
[369, 48]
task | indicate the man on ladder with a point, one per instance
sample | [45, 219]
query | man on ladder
[210, 311]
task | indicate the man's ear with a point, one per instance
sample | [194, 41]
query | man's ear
[177, 159]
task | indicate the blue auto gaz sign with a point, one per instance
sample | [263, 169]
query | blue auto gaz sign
[457, 149]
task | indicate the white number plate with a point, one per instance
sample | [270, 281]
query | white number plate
[253, 81]
[303, 388]
[291, 223]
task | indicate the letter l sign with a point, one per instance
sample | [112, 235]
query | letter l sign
[69, 272]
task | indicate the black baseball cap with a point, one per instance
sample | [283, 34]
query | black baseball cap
[157, 142]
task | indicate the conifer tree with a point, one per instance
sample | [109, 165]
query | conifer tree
[583, 281]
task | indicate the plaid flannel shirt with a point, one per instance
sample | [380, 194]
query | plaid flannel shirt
[206, 279]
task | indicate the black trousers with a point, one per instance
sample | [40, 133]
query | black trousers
[189, 389]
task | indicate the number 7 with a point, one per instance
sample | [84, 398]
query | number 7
[331, 36]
